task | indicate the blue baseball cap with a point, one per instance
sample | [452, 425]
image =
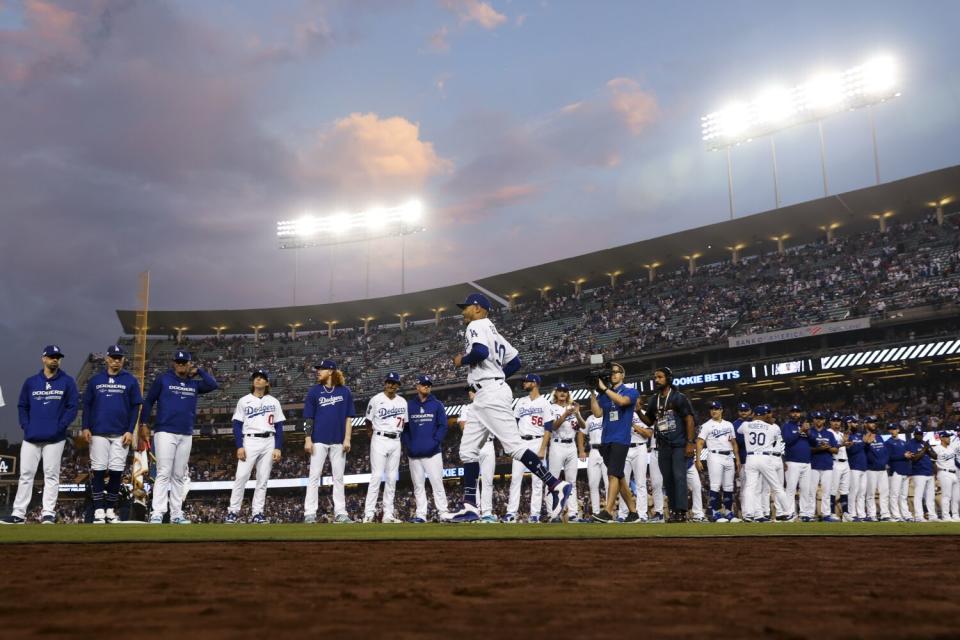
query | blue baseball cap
[873, 419]
[795, 408]
[761, 409]
[849, 419]
[52, 351]
[425, 380]
[945, 434]
[326, 364]
[393, 376]
[475, 298]
[918, 429]
[817, 415]
[893, 425]
[716, 405]
[562, 386]
[260, 373]
[835, 416]
[532, 377]
[743, 406]
[182, 356]
[116, 351]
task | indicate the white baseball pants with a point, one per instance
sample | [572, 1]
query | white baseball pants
[821, 479]
[656, 480]
[422, 469]
[798, 477]
[877, 482]
[948, 486]
[899, 491]
[338, 460]
[597, 473]
[765, 488]
[563, 457]
[486, 455]
[762, 469]
[30, 456]
[170, 486]
[516, 485]
[923, 491]
[107, 452]
[696, 492]
[260, 456]
[384, 466]
[840, 478]
[858, 494]
[636, 468]
[721, 471]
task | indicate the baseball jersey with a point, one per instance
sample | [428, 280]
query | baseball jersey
[760, 436]
[111, 403]
[821, 460]
[856, 452]
[840, 437]
[531, 414]
[464, 414]
[594, 430]
[568, 428]
[387, 415]
[500, 351]
[258, 415]
[717, 435]
[636, 438]
[946, 455]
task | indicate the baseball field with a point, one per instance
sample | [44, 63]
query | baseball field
[576, 580]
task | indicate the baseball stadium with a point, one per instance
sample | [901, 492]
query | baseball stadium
[685, 432]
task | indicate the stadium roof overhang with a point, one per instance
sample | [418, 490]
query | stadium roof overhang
[803, 223]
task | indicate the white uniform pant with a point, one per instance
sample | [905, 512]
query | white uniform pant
[260, 456]
[384, 466]
[798, 478]
[170, 487]
[338, 460]
[899, 490]
[840, 478]
[492, 410]
[696, 492]
[858, 494]
[422, 469]
[516, 485]
[923, 490]
[562, 456]
[948, 487]
[822, 479]
[721, 471]
[488, 466]
[762, 469]
[30, 456]
[636, 468]
[877, 482]
[597, 473]
[656, 480]
[107, 452]
[765, 488]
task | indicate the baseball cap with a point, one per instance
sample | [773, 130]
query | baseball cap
[873, 419]
[532, 377]
[761, 409]
[835, 416]
[182, 356]
[52, 351]
[893, 425]
[716, 405]
[476, 298]
[945, 434]
[817, 414]
[393, 376]
[562, 386]
[425, 380]
[849, 419]
[795, 408]
[917, 429]
[326, 364]
[116, 350]
[260, 373]
[743, 406]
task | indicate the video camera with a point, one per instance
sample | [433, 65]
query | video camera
[594, 376]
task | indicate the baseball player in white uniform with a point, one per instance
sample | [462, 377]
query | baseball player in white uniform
[488, 463]
[719, 440]
[386, 415]
[944, 454]
[562, 442]
[532, 413]
[761, 437]
[695, 486]
[841, 470]
[638, 458]
[596, 469]
[258, 431]
[492, 359]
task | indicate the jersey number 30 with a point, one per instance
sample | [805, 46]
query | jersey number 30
[758, 439]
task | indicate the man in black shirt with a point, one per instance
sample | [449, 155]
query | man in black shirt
[670, 414]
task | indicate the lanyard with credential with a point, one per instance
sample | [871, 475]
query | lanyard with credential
[666, 401]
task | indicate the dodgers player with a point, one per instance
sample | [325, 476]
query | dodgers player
[823, 445]
[635, 469]
[695, 485]
[797, 457]
[877, 481]
[533, 413]
[841, 469]
[922, 474]
[563, 453]
[387, 415]
[258, 433]
[488, 461]
[761, 437]
[328, 412]
[719, 440]
[596, 469]
[857, 457]
[175, 393]
[945, 453]
[423, 439]
[744, 413]
[900, 468]
[492, 359]
[111, 408]
[48, 404]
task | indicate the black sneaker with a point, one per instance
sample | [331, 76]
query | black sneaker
[12, 520]
[603, 517]
[632, 517]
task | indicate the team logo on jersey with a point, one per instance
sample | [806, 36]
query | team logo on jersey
[48, 387]
[329, 401]
[385, 412]
[422, 410]
[111, 381]
[473, 333]
[530, 411]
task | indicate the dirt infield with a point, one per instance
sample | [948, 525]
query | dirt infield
[770, 587]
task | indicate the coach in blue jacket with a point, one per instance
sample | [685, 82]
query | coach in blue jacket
[422, 438]
[48, 404]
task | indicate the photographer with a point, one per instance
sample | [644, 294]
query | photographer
[671, 415]
[614, 403]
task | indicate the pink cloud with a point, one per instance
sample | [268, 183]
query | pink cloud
[438, 40]
[482, 204]
[475, 11]
[636, 107]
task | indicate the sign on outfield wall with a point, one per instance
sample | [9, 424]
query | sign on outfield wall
[800, 332]
[8, 465]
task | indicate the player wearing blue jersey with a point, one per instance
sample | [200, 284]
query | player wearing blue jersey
[823, 446]
[878, 457]
[857, 457]
[921, 474]
[900, 468]
[796, 455]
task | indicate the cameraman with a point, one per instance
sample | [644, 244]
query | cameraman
[614, 403]
[670, 414]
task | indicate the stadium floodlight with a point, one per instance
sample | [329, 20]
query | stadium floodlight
[311, 230]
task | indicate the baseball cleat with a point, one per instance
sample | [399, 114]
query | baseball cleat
[699, 518]
[806, 519]
[48, 520]
[419, 520]
[510, 518]
[631, 518]
[489, 519]
[621, 519]
[830, 519]
[784, 518]
[533, 520]
[657, 518]
[848, 518]
[156, 518]
[12, 520]
[560, 496]
[111, 516]
[733, 518]
[367, 519]
[99, 517]
[603, 517]
[258, 519]
[343, 519]
[180, 520]
[467, 514]
[309, 519]
[882, 519]
[390, 520]
[231, 518]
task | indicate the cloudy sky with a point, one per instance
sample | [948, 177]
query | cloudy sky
[171, 135]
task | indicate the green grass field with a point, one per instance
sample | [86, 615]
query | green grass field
[35, 533]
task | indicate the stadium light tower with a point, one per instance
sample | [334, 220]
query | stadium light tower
[777, 108]
[347, 228]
